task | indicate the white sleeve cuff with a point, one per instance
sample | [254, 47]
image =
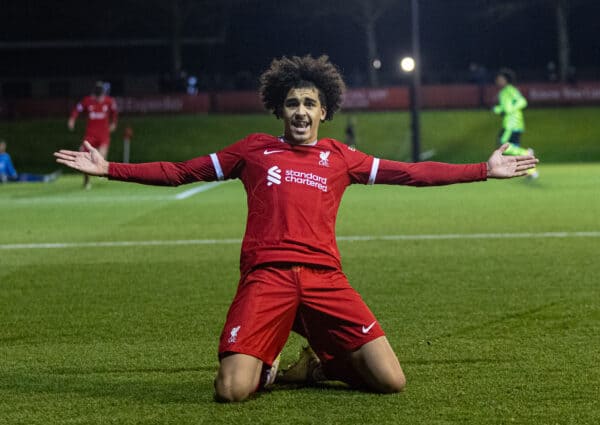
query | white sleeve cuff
[374, 169]
[218, 170]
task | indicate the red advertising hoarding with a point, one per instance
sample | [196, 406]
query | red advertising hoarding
[462, 96]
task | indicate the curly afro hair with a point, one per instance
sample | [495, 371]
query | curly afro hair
[300, 72]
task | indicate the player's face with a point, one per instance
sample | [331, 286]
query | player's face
[501, 81]
[302, 113]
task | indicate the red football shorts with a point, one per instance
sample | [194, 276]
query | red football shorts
[95, 141]
[318, 303]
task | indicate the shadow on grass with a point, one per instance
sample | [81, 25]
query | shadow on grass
[191, 389]
[152, 387]
[326, 385]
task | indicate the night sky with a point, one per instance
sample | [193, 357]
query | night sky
[453, 34]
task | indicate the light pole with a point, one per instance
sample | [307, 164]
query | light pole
[412, 65]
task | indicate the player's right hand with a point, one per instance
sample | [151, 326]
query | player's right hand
[90, 162]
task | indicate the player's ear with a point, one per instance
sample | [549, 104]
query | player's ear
[323, 113]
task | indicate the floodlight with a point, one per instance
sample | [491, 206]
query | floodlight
[407, 64]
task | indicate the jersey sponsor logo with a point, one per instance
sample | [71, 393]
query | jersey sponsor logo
[324, 158]
[273, 175]
[308, 179]
[233, 334]
[366, 329]
[269, 152]
[97, 115]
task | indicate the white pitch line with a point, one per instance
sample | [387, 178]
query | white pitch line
[120, 244]
[197, 189]
[366, 238]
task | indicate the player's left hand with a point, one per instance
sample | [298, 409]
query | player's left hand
[504, 167]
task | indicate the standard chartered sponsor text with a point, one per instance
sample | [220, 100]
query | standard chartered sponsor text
[309, 179]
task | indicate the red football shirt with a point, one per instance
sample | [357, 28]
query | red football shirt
[99, 114]
[294, 191]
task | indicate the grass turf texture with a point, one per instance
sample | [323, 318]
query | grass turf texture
[487, 330]
[557, 135]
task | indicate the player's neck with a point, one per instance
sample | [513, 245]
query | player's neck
[289, 142]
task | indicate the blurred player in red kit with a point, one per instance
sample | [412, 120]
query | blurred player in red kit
[101, 111]
[291, 273]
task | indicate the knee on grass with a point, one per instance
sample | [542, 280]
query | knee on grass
[238, 377]
[393, 383]
[232, 390]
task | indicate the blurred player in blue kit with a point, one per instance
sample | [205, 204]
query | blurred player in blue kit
[9, 174]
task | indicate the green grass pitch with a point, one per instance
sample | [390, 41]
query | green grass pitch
[495, 329]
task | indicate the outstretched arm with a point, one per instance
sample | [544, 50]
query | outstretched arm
[504, 167]
[383, 171]
[153, 173]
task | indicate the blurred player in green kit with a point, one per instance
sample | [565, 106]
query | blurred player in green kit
[510, 105]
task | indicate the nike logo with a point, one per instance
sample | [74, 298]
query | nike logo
[368, 328]
[268, 152]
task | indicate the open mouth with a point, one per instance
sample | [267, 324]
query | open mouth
[300, 127]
